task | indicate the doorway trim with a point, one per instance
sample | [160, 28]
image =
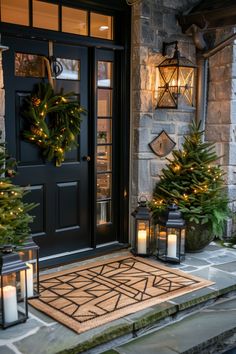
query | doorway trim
[121, 47]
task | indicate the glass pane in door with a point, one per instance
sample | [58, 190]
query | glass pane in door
[104, 127]
[104, 103]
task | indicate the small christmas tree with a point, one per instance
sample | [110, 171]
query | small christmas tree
[14, 217]
[194, 182]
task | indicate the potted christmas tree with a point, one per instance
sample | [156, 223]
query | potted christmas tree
[14, 217]
[193, 180]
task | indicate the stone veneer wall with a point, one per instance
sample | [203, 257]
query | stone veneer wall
[153, 21]
[221, 116]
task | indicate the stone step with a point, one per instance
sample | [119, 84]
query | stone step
[208, 331]
[48, 336]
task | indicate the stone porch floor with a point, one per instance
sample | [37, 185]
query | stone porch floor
[42, 335]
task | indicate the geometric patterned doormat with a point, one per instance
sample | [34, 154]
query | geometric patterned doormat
[88, 296]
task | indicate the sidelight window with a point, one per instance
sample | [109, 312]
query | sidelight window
[104, 142]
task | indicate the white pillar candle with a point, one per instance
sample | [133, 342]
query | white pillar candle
[29, 280]
[10, 303]
[142, 241]
[172, 246]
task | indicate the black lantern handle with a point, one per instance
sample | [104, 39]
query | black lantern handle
[142, 200]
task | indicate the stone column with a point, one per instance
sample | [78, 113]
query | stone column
[153, 21]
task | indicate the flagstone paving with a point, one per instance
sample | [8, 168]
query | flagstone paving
[42, 335]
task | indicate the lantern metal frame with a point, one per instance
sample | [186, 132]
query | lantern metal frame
[13, 288]
[142, 229]
[177, 78]
[29, 253]
[170, 231]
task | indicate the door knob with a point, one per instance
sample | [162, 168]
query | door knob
[86, 158]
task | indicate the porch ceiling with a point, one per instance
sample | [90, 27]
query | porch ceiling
[208, 14]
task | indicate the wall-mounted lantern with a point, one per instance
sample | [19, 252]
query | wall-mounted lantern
[171, 235]
[29, 253]
[142, 228]
[13, 298]
[176, 75]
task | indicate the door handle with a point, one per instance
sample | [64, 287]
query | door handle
[86, 158]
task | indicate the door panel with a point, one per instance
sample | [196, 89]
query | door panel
[62, 217]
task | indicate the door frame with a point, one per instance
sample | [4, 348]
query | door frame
[121, 47]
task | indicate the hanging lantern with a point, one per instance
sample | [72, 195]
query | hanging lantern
[142, 228]
[13, 288]
[29, 253]
[176, 80]
[171, 236]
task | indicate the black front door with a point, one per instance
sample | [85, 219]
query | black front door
[62, 218]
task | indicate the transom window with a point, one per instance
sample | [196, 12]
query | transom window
[45, 15]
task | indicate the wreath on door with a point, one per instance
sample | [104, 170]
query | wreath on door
[52, 121]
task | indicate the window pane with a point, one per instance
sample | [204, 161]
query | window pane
[15, 11]
[45, 15]
[29, 65]
[74, 21]
[103, 186]
[71, 69]
[104, 103]
[104, 74]
[103, 158]
[103, 212]
[104, 131]
[101, 26]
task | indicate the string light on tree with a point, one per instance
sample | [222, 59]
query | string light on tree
[197, 187]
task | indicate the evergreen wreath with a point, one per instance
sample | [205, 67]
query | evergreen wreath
[52, 121]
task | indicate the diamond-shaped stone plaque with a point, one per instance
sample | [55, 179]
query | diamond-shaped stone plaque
[162, 145]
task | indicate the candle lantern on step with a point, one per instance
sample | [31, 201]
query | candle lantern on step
[29, 253]
[171, 235]
[13, 301]
[142, 229]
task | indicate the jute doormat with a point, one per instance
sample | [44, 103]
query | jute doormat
[88, 296]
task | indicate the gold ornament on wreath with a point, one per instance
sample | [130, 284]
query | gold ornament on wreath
[52, 121]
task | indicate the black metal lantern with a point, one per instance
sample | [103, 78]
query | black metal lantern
[176, 80]
[171, 235]
[142, 228]
[13, 288]
[29, 253]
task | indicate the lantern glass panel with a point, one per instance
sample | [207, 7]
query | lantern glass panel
[161, 240]
[21, 295]
[30, 257]
[13, 304]
[182, 243]
[143, 236]
[173, 243]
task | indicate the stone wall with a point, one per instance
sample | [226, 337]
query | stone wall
[221, 115]
[153, 21]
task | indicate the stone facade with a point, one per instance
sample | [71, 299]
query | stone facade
[153, 22]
